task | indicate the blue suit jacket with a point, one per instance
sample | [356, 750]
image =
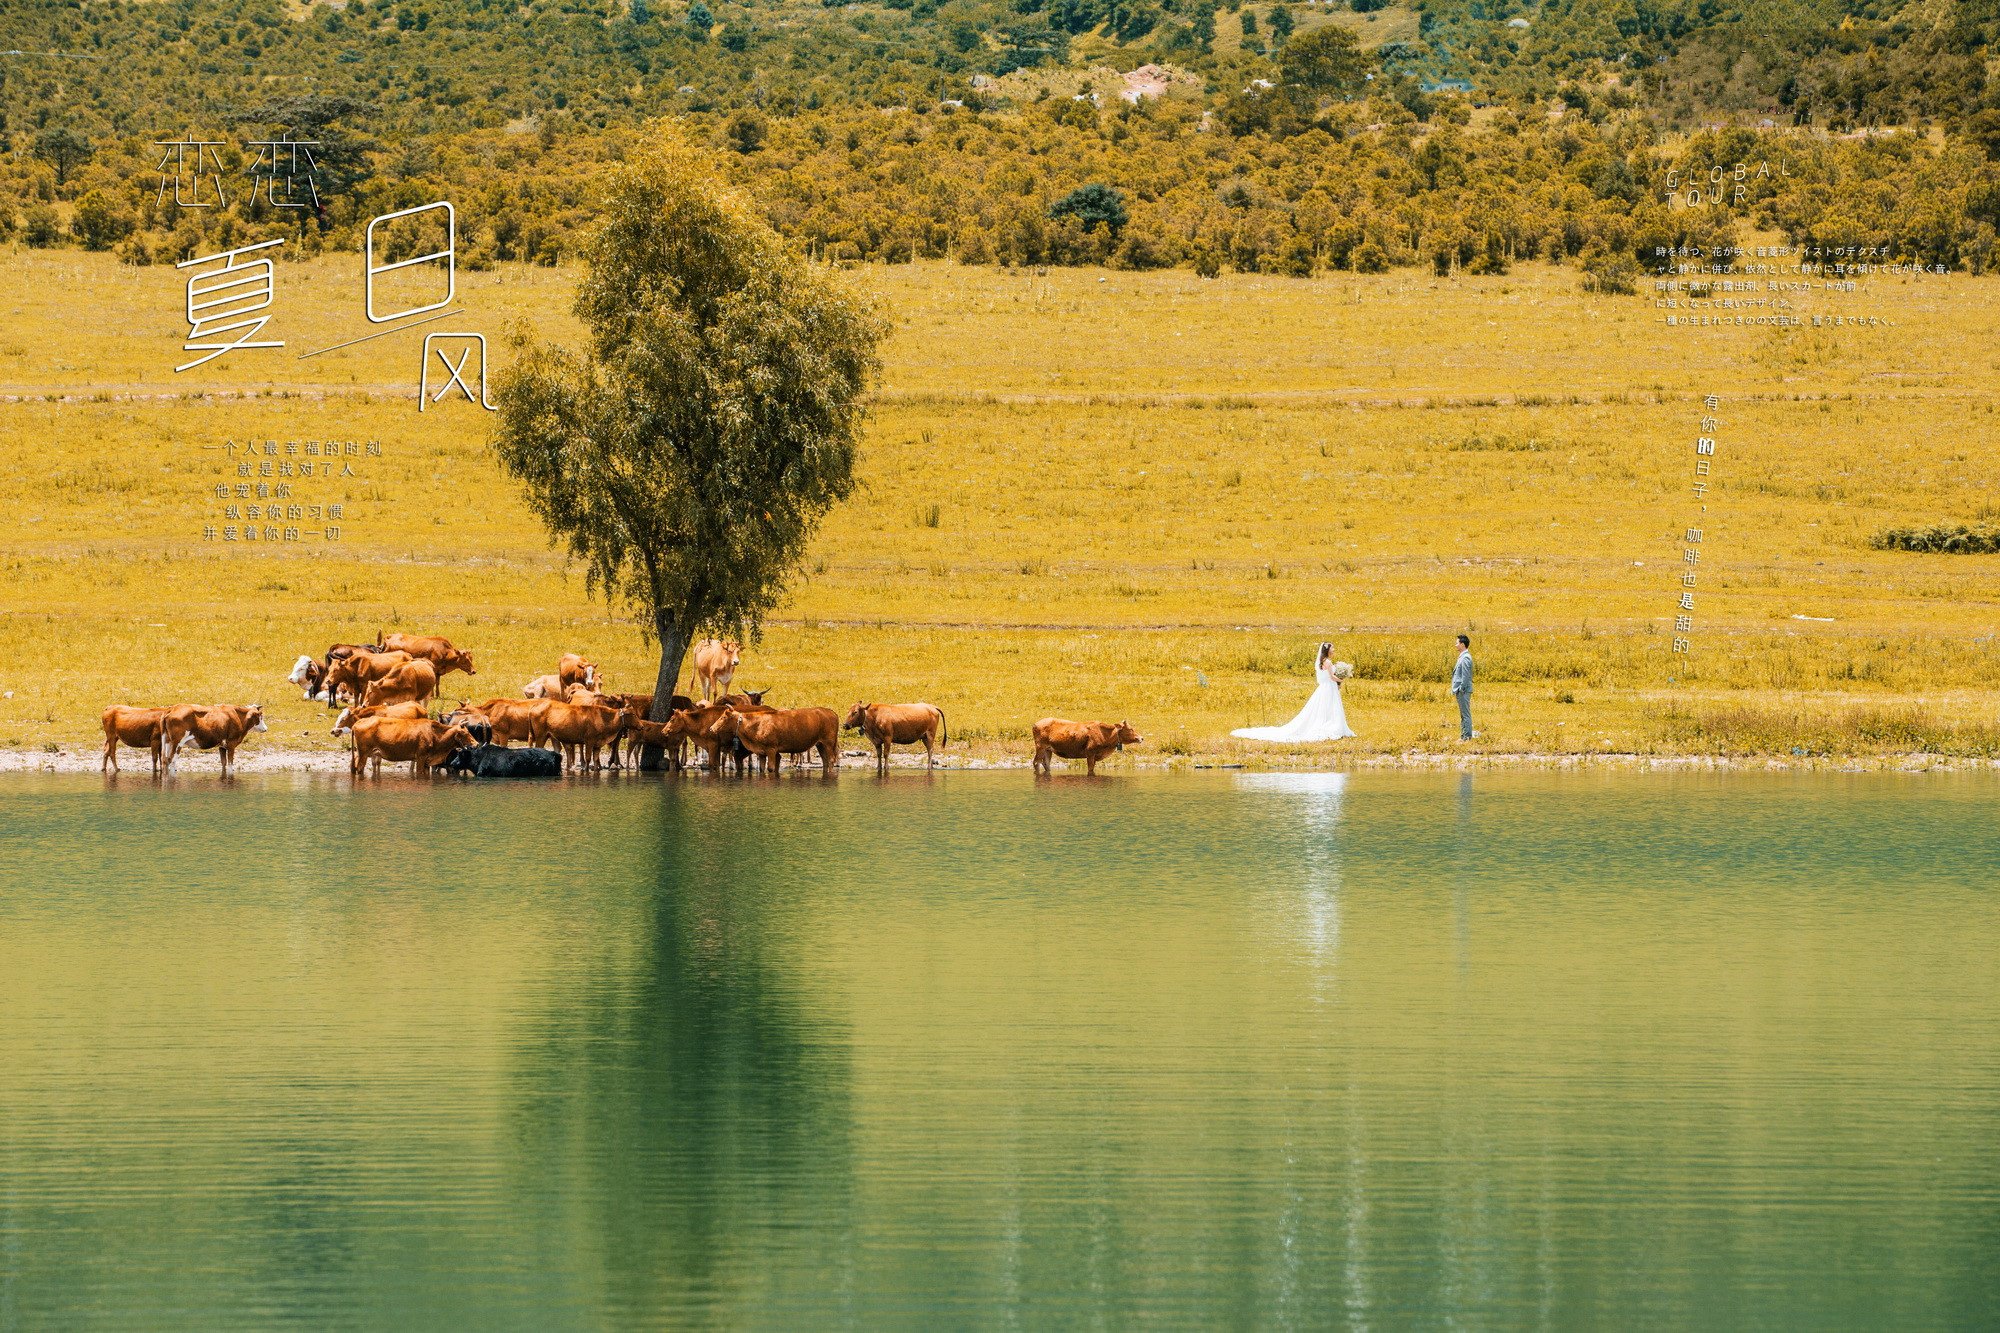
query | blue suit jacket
[1461, 674]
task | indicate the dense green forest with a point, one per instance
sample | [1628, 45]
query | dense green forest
[1277, 137]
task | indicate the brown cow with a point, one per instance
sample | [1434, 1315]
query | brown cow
[412, 682]
[434, 649]
[214, 727]
[715, 662]
[140, 728]
[359, 669]
[581, 731]
[422, 744]
[898, 724]
[408, 712]
[773, 733]
[1088, 741]
[336, 653]
[525, 720]
[573, 669]
[641, 732]
[701, 725]
[638, 704]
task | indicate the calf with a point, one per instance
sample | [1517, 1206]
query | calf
[582, 731]
[140, 728]
[497, 761]
[435, 649]
[898, 724]
[412, 682]
[1088, 741]
[772, 733]
[400, 740]
[221, 727]
[543, 687]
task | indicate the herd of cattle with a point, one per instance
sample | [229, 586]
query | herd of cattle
[385, 691]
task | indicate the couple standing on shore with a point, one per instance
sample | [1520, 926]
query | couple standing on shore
[1324, 718]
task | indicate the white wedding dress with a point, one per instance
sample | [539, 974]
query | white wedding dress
[1324, 718]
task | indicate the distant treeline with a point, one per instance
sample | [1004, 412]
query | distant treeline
[1063, 183]
[121, 68]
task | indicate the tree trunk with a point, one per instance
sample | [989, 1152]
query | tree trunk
[672, 631]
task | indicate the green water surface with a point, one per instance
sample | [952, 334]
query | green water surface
[1206, 1050]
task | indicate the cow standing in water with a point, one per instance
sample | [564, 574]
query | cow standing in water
[773, 733]
[1088, 741]
[715, 663]
[140, 728]
[221, 727]
[898, 724]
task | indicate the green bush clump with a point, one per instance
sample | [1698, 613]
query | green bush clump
[1940, 539]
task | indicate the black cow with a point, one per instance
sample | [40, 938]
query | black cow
[500, 761]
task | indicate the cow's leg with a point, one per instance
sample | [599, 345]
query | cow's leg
[1089, 765]
[829, 752]
[109, 764]
[1041, 763]
[930, 755]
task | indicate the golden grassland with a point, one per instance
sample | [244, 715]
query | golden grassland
[1089, 494]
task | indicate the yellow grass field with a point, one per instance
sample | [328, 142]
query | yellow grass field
[1087, 494]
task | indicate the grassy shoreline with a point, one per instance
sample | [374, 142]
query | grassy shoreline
[1096, 495]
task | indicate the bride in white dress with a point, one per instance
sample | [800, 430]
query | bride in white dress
[1324, 718]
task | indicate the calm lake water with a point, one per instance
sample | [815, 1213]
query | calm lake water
[1236, 1050]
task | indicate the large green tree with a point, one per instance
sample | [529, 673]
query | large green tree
[687, 453]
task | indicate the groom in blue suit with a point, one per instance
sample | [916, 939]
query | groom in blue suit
[1461, 685]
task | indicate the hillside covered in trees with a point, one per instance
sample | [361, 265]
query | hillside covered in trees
[1276, 137]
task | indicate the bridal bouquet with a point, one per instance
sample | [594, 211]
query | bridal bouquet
[1341, 670]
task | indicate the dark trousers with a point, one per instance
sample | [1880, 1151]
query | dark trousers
[1465, 716]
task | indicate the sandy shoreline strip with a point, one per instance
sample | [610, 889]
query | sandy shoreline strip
[278, 760]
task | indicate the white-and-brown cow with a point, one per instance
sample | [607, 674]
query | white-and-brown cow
[221, 727]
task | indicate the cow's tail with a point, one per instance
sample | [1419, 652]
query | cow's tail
[944, 729]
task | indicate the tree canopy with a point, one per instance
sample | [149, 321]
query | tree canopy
[689, 451]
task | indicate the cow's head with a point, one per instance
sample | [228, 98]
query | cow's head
[756, 697]
[733, 651]
[457, 659]
[457, 738]
[254, 715]
[345, 722]
[855, 716]
[1122, 735]
[300, 669]
[480, 731]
